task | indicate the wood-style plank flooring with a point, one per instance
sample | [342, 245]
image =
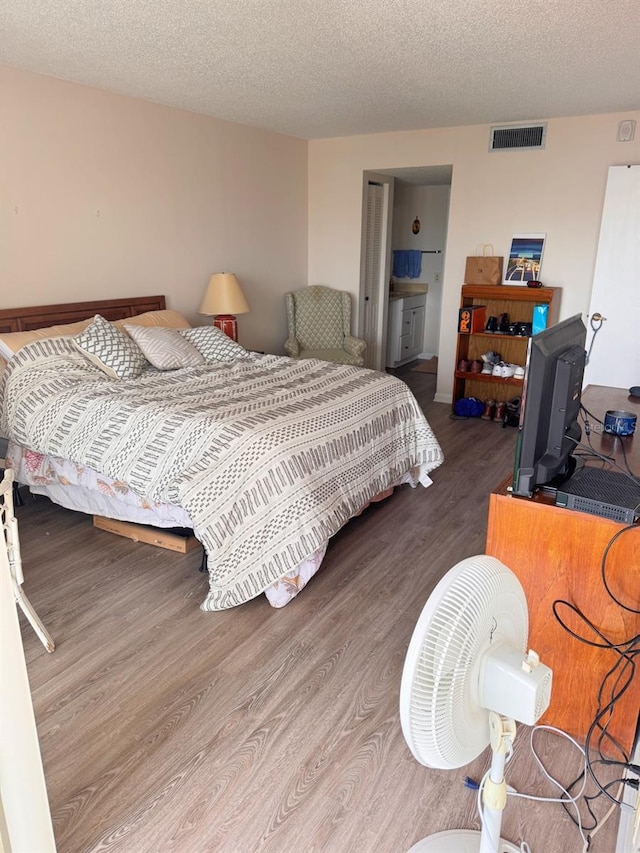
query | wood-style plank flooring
[164, 728]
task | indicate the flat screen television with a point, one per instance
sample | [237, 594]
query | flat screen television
[548, 430]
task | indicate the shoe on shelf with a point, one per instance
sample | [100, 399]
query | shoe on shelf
[501, 408]
[492, 325]
[464, 366]
[487, 415]
[476, 366]
[487, 368]
[512, 412]
[519, 372]
[508, 370]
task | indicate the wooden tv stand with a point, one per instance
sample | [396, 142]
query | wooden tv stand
[556, 553]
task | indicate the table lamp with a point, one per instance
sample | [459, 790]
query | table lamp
[224, 299]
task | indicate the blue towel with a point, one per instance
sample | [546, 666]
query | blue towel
[407, 263]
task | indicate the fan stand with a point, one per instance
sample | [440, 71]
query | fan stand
[494, 799]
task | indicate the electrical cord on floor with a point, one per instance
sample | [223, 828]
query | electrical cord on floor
[566, 797]
[563, 800]
[587, 833]
[610, 811]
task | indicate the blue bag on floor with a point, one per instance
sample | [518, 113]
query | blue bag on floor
[468, 407]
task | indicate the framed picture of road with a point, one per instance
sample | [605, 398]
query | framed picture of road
[525, 257]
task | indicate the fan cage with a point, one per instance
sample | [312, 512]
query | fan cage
[483, 600]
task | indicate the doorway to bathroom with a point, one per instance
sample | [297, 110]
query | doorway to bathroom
[405, 214]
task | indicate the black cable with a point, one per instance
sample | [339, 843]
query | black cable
[587, 801]
[587, 429]
[627, 672]
[593, 417]
[624, 456]
[584, 411]
[617, 691]
[616, 681]
[608, 459]
[603, 563]
[607, 644]
[565, 805]
[609, 762]
[607, 710]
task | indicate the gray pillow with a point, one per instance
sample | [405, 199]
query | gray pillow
[111, 350]
[214, 345]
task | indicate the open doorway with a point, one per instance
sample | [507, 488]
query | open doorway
[404, 209]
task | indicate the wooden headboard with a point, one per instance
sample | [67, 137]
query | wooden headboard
[36, 317]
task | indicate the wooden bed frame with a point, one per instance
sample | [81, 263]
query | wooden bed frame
[37, 317]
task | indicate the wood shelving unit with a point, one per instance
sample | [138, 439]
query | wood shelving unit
[516, 301]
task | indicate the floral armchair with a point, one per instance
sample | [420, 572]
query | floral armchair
[319, 321]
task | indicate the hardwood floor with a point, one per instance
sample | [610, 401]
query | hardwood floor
[164, 728]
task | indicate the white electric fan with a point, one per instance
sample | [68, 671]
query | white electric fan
[466, 680]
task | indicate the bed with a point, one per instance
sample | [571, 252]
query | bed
[263, 457]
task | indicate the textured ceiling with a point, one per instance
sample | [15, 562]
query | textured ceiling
[320, 68]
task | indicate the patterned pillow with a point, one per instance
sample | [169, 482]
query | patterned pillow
[214, 345]
[165, 348]
[110, 349]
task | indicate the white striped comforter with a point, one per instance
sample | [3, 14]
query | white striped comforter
[269, 456]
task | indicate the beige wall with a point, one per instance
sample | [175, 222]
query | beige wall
[107, 196]
[559, 191]
[103, 195]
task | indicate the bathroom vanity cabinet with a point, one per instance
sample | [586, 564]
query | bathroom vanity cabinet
[405, 327]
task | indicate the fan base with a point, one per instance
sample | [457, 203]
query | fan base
[458, 841]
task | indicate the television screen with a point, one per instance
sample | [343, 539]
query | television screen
[548, 430]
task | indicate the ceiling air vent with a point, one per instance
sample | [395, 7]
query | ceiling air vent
[521, 137]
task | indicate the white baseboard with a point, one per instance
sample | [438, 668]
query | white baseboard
[442, 398]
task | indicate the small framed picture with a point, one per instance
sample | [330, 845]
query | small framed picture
[525, 258]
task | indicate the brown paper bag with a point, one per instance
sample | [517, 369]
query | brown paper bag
[484, 268]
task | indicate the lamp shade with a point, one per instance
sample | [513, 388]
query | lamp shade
[224, 296]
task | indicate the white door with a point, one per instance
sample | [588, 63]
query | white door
[614, 353]
[375, 267]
